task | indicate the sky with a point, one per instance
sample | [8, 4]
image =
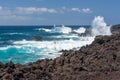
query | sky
[48, 12]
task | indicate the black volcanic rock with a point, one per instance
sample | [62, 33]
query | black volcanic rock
[115, 29]
[37, 38]
[98, 61]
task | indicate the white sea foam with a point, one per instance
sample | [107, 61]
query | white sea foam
[55, 29]
[80, 30]
[66, 36]
[99, 27]
[56, 45]
[44, 29]
[7, 47]
[47, 49]
[15, 33]
[62, 29]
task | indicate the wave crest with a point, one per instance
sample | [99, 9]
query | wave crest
[99, 27]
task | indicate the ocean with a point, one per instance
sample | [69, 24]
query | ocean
[18, 43]
[24, 44]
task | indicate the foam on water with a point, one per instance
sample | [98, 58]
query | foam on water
[44, 29]
[58, 45]
[41, 49]
[62, 29]
[66, 36]
[15, 33]
[80, 30]
[55, 29]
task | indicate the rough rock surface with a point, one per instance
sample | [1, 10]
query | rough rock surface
[98, 61]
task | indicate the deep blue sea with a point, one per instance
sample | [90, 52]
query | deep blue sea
[18, 44]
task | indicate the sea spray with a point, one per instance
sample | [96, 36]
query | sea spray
[62, 29]
[80, 30]
[99, 27]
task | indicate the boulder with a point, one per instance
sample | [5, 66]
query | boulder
[37, 38]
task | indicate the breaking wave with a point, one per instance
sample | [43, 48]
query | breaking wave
[99, 27]
[63, 29]
[40, 49]
[80, 30]
[44, 29]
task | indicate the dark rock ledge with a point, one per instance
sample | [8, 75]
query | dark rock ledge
[98, 61]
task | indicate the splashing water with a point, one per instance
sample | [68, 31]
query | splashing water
[99, 27]
[62, 29]
[80, 30]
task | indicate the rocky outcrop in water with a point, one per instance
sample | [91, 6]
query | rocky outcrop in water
[98, 61]
[37, 38]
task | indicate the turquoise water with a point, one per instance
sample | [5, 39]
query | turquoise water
[17, 43]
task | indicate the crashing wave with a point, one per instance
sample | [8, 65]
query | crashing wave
[40, 49]
[99, 27]
[44, 29]
[62, 29]
[80, 30]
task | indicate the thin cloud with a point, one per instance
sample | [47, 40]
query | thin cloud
[13, 14]
[86, 10]
[76, 9]
[33, 10]
[63, 9]
[14, 17]
[27, 13]
[4, 11]
[52, 11]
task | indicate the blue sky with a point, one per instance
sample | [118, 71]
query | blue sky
[45, 12]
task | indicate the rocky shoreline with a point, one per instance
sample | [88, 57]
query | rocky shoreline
[98, 61]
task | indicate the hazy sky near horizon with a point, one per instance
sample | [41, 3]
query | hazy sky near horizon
[45, 12]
